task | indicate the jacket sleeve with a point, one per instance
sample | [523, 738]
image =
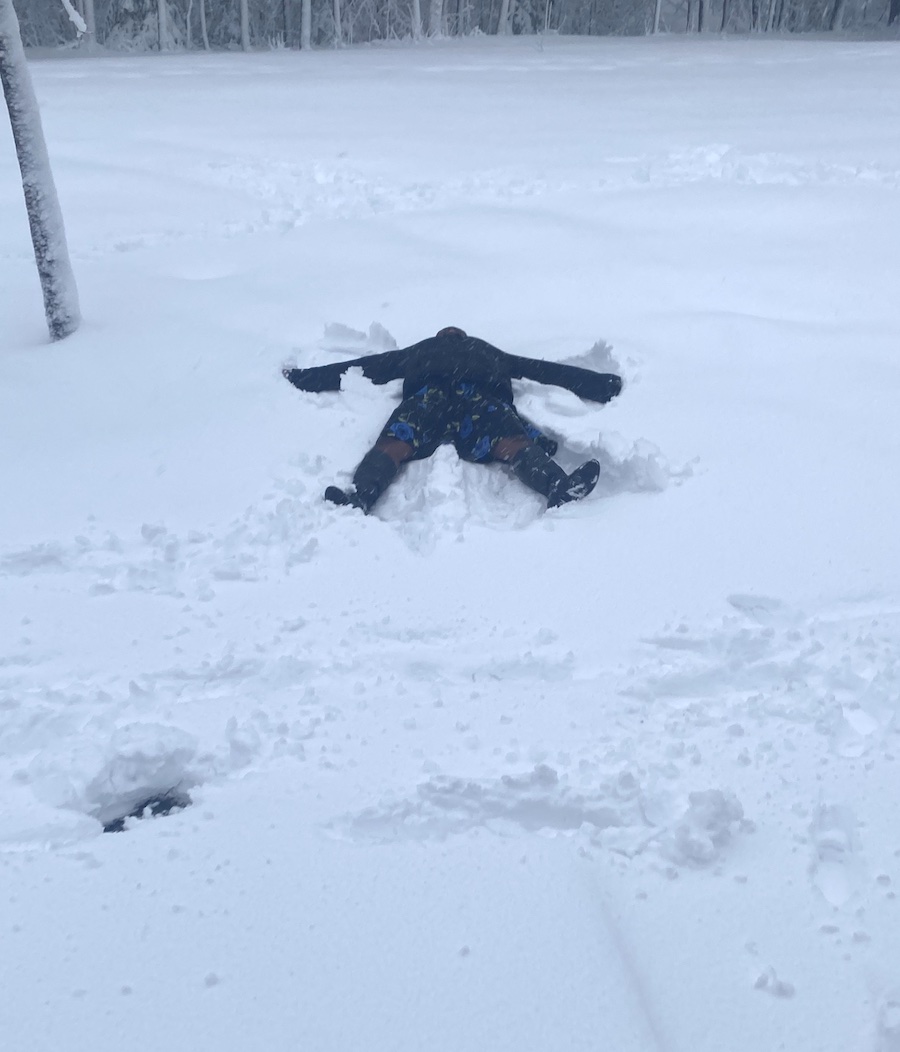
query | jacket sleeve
[596, 387]
[379, 368]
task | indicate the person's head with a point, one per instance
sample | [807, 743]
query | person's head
[451, 330]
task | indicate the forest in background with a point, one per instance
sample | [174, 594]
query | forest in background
[149, 25]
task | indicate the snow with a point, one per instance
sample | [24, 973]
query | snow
[464, 774]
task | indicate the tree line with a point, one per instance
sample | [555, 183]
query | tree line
[147, 25]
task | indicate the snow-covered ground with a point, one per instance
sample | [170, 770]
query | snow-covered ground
[465, 775]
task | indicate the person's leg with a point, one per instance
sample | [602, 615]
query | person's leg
[411, 433]
[490, 430]
[532, 465]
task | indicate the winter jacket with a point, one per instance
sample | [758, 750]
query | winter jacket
[442, 360]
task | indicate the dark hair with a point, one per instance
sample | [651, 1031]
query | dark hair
[451, 330]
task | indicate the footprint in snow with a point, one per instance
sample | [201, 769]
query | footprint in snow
[835, 867]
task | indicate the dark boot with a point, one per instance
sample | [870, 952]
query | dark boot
[539, 472]
[577, 485]
[375, 473]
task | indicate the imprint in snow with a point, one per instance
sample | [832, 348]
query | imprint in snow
[760, 608]
[47, 557]
[835, 868]
[770, 982]
[887, 1025]
[536, 801]
[141, 763]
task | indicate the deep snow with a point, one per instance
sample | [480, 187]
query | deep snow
[465, 775]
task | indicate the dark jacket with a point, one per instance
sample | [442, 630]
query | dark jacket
[441, 360]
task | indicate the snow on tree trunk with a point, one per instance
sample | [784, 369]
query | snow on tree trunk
[245, 25]
[48, 233]
[416, 20]
[338, 32]
[306, 25]
[657, 11]
[503, 21]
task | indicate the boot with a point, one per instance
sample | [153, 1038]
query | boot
[577, 485]
[539, 472]
[375, 473]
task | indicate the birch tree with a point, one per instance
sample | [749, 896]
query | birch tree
[204, 35]
[436, 18]
[163, 24]
[306, 25]
[44, 216]
[245, 25]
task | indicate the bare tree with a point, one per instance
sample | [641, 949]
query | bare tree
[44, 216]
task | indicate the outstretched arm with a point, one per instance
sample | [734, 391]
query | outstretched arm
[596, 387]
[379, 368]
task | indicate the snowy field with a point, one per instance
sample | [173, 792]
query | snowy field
[466, 776]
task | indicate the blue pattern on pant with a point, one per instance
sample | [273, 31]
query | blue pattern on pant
[457, 413]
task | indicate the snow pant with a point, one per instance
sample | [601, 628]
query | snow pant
[462, 415]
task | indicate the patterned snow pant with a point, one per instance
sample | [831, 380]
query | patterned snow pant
[461, 414]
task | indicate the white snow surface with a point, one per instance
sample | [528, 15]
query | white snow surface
[465, 774]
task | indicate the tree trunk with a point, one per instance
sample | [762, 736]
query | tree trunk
[163, 24]
[306, 25]
[90, 19]
[245, 25]
[503, 21]
[837, 16]
[204, 36]
[724, 16]
[416, 20]
[701, 14]
[48, 233]
[436, 18]
[894, 12]
[338, 31]
[189, 37]
[657, 11]
[287, 23]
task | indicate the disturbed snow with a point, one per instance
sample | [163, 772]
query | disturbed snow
[463, 774]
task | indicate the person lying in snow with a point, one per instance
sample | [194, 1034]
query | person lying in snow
[457, 388]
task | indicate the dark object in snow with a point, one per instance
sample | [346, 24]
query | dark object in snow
[44, 215]
[159, 804]
[457, 388]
